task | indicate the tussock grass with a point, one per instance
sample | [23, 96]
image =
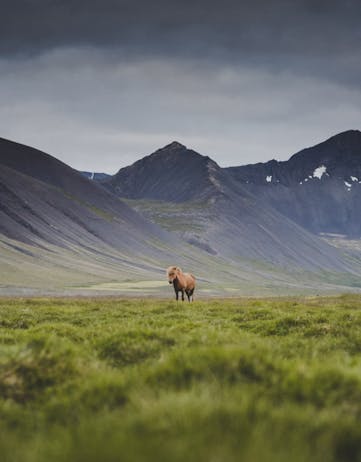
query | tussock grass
[147, 380]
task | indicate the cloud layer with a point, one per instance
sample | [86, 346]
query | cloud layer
[99, 84]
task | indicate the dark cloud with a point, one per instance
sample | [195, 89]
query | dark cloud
[96, 112]
[182, 26]
[101, 82]
[307, 37]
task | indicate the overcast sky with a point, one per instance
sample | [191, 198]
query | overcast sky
[101, 83]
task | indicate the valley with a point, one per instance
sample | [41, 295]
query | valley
[67, 232]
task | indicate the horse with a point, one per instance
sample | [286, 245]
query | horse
[182, 282]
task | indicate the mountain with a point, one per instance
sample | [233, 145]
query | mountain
[58, 229]
[319, 187]
[95, 176]
[189, 194]
[44, 198]
[173, 173]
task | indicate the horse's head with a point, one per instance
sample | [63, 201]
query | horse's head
[172, 273]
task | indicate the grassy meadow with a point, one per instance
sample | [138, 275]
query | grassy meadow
[110, 379]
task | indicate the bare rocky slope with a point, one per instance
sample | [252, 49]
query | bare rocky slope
[62, 231]
[319, 187]
[173, 173]
[57, 226]
[43, 199]
[190, 194]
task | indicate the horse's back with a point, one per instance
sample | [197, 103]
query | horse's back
[191, 280]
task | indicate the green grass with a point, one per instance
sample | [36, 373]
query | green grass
[179, 217]
[100, 212]
[146, 380]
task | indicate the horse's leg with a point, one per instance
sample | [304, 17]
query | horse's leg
[192, 292]
[188, 295]
[176, 294]
[182, 295]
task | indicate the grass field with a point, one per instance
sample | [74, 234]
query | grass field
[147, 380]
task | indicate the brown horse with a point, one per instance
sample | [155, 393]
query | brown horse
[182, 282]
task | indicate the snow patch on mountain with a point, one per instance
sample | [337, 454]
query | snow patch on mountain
[269, 178]
[319, 172]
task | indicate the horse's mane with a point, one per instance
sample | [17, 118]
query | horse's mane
[174, 268]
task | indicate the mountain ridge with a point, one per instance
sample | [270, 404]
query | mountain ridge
[223, 215]
[52, 215]
[174, 172]
[319, 187]
[58, 226]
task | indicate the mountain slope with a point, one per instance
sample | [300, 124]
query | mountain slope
[318, 188]
[190, 194]
[173, 173]
[59, 230]
[57, 219]
[45, 198]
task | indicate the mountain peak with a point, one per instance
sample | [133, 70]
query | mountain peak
[349, 137]
[173, 146]
[347, 133]
[173, 173]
